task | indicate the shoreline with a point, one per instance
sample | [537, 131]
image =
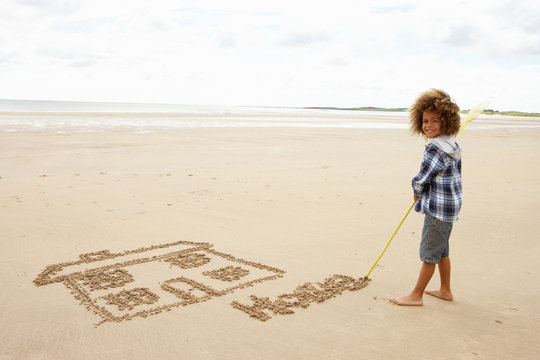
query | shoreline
[75, 122]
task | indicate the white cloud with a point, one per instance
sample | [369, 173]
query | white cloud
[347, 53]
[303, 38]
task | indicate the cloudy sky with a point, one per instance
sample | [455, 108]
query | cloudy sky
[272, 53]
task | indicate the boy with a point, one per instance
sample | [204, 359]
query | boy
[437, 189]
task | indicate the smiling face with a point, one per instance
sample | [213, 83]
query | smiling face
[431, 124]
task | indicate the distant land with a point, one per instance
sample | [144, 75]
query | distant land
[365, 108]
[371, 108]
[12, 105]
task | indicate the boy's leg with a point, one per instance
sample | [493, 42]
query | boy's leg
[415, 297]
[444, 271]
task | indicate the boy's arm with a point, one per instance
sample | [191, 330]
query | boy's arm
[431, 165]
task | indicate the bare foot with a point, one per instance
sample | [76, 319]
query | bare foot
[407, 300]
[445, 295]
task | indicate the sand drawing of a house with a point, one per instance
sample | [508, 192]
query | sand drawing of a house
[148, 281]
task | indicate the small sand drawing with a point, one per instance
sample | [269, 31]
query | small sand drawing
[187, 261]
[229, 273]
[147, 281]
[106, 279]
[301, 297]
[127, 299]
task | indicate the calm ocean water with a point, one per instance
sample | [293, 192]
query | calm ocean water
[63, 116]
[67, 116]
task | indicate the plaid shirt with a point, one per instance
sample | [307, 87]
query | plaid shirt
[438, 185]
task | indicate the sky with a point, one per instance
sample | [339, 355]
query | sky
[339, 53]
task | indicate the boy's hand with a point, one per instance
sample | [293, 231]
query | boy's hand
[415, 197]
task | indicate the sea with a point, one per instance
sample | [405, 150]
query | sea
[72, 116]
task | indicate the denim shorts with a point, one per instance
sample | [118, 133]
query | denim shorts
[434, 244]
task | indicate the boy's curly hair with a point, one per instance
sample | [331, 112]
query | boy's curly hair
[439, 102]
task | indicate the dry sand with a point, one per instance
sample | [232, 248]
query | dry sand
[289, 217]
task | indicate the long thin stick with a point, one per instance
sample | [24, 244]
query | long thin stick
[471, 115]
[394, 234]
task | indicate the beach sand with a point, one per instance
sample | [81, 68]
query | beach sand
[278, 207]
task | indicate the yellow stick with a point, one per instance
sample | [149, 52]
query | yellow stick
[471, 115]
[394, 234]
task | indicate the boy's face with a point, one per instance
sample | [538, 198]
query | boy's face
[431, 124]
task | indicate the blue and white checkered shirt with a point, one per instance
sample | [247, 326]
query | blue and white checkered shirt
[438, 185]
